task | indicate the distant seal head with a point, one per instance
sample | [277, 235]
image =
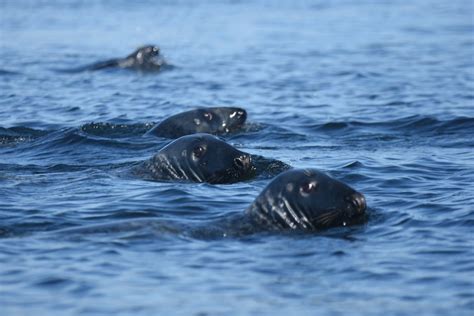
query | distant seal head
[212, 120]
[306, 199]
[199, 158]
[145, 58]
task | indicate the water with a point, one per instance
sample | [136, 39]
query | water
[378, 94]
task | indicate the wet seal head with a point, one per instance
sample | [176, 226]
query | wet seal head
[306, 199]
[213, 120]
[144, 57]
[200, 158]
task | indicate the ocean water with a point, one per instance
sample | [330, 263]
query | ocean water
[379, 94]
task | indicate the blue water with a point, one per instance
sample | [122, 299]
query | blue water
[380, 94]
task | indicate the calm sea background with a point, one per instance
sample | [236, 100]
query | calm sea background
[379, 94]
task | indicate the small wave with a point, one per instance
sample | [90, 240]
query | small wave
[4, 72]
[334, 126]
[416, 123]
[73, 136]
[19, 134]
[436, 126]
[71, 146]
[116, 130]
[263, 133]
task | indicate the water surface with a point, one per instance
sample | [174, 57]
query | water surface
[378, 94]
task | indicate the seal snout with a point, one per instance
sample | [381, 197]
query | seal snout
[239, 115]
[242, 115]
[357, 200]
[243, 162]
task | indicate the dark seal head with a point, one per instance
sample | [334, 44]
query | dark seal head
[214, 120]
[200, 158]
[306, 199]
[144, 58]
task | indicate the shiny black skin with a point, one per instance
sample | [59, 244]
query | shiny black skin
[306, 199]
[212, 120]
[199, 158]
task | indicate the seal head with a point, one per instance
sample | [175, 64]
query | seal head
[213, 120]
[143, 58]
[306, 199]
[200, 158]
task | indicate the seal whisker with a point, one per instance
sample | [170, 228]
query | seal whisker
[292, 212]
[195, 173]
[215, 178]
[167, 165]
[265, 206]
[200, 175]
[328, 217]
[303, 216]
[185, 176]
[263, 217]
[284, 216]
[160, 163]
[323, 218]
[232, 173]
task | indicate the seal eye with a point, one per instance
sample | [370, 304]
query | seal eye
[198, 151]
[308, 187]
[208, 116]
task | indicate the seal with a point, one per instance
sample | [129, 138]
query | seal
[212, 120]
[297, 199]
[199, 158]
[306, 199]
[145, 58]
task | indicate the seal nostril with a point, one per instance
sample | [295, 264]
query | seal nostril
[243, 162]
[239, 163]
[358, 200]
